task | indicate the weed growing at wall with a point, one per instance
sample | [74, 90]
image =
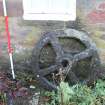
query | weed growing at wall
[77, 95]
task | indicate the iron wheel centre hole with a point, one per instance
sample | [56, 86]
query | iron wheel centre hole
[65, 63]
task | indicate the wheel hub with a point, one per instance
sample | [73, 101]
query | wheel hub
[65, 63]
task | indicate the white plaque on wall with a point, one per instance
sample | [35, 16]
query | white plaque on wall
[61, 10]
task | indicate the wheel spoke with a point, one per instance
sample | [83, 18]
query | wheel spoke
[56, 45]
[48, 70]
[47, 83]
[68, 55]
[85, 54]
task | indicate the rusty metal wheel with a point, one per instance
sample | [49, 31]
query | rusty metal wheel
[69, 50]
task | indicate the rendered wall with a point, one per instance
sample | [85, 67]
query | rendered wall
[25, 34]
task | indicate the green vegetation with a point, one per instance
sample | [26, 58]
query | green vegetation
[2, 98]
[78, 94]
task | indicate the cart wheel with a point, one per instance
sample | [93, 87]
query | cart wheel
[69, 50]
